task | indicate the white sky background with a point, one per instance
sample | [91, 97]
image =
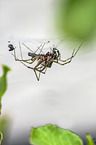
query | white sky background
[25, 18]
[65, 95]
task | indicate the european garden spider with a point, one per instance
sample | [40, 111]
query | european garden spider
[44, 61]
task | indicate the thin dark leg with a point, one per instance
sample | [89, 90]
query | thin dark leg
[36, 75]
[30, 49]
[33, 70]
[43, 46]
[73, 54]
[78, 49]
[38, 48]
[63, 63]
[26, 60]
[27, 47]
[41, 70]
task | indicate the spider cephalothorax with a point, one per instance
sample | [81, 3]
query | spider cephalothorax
[56, 53]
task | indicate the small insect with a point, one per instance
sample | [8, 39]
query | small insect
[44, 61]
[11, 47]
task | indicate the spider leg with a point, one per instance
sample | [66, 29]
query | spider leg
[78, 49]
[31, 67]
[43, 46]
[34, 71]
[20, 50]
[44, 68]
[38, 48]
[67, 58]
[40, 71]
[16, 59]
[40, 61]
[73, 54]
[27, 47]
[22, 60]
[14, 54]
[63, 63]
[36, 75]
[30, 49]
[26, 60]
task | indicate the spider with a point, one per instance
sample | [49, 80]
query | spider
[44, 61]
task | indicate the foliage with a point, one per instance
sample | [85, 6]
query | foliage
[1, 137]
[5, 123]
[3, 82]
[53, 135]
[77, 18]
[89, 140]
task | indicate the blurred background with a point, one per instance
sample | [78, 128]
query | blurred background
[65, 95]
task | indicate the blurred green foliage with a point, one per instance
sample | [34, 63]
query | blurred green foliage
[1, 137]
[3, 82]
[76, 18]
[5, 123]
[89, 140]
[53, 135]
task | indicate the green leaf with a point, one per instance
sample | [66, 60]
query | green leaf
[1, 137]
[77, 18]
[5, 124]
[89, 140]
[3, 82]
[53, 135]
